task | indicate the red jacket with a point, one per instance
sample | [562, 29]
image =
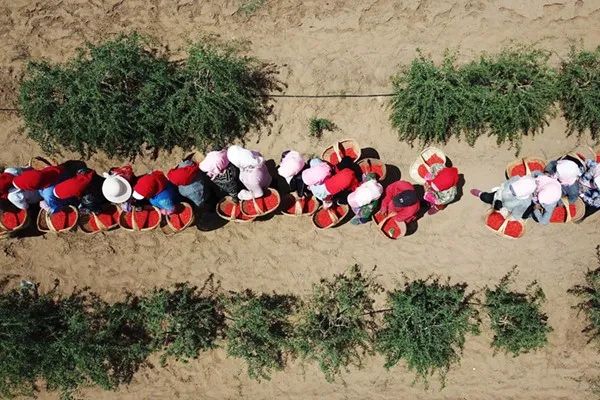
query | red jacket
[36, 179]
[345, 179]
[403, 214]
[75, 186]
[182, 176]
[6, 181]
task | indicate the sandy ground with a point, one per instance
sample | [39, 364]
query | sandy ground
[324, 47]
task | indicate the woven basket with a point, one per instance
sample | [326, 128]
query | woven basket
[61, 221]
[103, 221]
[130, 221]
[178, 221]
[294, 206]
[388, 227]
[501, 226]
[344, 148]
[373, 166]
[422, 166]
[12, 220]
[264, 205]
[332, 215]
[525, 166]
[231, 211]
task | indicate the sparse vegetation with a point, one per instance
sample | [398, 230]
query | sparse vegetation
[507, 95]
[249, 7]
[67, 342]
[426, 326]
[316, 127]
[260, 330]
[124, 95]
[579, 88]
[516, 319]
[589, 293]
[336, 322]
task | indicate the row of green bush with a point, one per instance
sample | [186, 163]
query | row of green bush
[125, 95]
[78, 340]
[507, 95]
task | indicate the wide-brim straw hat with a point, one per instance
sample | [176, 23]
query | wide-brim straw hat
[116, 189]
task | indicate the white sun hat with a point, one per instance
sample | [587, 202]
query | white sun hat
[116, 189]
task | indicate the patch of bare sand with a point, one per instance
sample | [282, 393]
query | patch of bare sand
[323, 47]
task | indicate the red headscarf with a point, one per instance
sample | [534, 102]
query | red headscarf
[345, 179]
[6, 181]
[36, 179]
[183, 175]
[75, 186]
[445, 179]
[125, 171]
[151, 184]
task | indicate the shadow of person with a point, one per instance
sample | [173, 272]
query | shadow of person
[412, 227]
[459, 188]
[369, 152]
[272, 168]
[424, 205]
[209, 220]
[31, 229]
[72, 166]
[392, 175]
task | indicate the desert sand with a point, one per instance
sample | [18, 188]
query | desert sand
[323, 47]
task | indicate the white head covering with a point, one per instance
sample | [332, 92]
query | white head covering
[567, 172]
[549, 190]
[116, 189]
[243, 158]
[365, 194]
[523, 187]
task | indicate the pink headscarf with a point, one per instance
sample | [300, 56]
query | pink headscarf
[291, 164]
[317, 173]
[549, 190]
[214, 163]
[567, 172]
[365, 193]
[524, 187]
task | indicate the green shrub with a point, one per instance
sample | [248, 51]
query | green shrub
[506, 95]
[336, 321]
[67, 342]
[316, 126]
[426, 326]
[259, 331]
[579, 85]
[124, 94]
[590, 304]
[515, 92]
[182, 322]
[428, 101]
[516, 319]
[219, 97]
